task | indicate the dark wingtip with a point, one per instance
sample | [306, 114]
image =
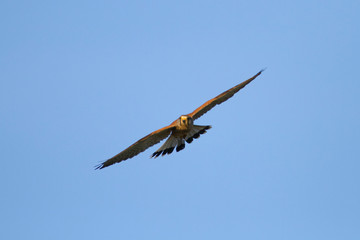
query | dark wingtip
[99, 166]
[202, 131]
[181, 147]
[255, 76]
[156, 154]
[170, 150]
[164, 152]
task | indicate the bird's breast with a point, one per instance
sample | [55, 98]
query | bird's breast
[181, 131]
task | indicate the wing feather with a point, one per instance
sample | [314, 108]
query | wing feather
[220, 98]
[138, 147]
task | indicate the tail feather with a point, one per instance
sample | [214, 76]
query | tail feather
[169, 146]
[196, 132]
[179, 143]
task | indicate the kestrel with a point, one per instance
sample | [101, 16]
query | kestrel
[181, 130]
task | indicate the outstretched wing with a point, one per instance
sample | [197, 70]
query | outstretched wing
[220, 98]
[140, 146]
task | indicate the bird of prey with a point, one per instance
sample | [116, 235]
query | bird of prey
[181, 130]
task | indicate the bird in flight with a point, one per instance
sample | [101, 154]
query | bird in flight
[181, 130]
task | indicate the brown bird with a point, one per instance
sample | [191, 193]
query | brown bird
[181, 130]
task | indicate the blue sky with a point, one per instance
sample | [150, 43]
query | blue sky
[82, 80]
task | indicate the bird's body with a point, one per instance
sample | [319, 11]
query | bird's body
[181, 130]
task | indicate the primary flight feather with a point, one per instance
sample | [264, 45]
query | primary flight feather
[181, 130]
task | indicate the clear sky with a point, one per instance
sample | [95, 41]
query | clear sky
[82, 80]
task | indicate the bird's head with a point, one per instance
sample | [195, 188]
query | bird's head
[185, 120]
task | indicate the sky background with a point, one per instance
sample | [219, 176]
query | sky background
[82, 80]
